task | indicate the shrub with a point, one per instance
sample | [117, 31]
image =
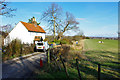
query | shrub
[57, 41]
[16, 45]
[63, 42]
[77, 37]
[46, 39]
[64, 50]
[77, 44]
[12, 49]
[66, 41]
[16, 49]
[87, 38]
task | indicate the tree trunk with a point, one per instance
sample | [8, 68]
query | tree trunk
[54, 29]
[60, 36]
[61, 33]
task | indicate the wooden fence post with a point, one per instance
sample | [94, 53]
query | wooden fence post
[99, 70]
[48, 59]
[64, 67]
[78, 69]
[21, 50]
[56, 62]
[48, 56]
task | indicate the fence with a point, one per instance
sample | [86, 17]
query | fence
[51, 57]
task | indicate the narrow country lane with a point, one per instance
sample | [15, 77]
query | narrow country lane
[22, 68]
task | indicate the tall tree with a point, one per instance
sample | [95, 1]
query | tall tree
[51, 15]
[5, 10]
[6, 28]
[59, 23]
[80, 33]
[69, 23]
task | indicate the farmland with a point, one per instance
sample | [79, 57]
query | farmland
[105, 54]
[93, 53]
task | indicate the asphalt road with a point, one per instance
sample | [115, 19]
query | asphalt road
[22, 68]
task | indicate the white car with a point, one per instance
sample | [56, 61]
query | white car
[41, 46]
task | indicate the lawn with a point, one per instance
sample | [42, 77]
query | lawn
[104, 53]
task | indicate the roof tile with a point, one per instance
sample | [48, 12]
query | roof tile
[32, 27]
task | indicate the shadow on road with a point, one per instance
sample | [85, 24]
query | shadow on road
[23, 68]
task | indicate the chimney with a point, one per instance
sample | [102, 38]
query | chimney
[34, 21]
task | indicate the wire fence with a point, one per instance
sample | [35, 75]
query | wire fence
[59, 60]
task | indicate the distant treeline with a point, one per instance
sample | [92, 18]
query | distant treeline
[113, 38]
[72, 38]
[77, 37]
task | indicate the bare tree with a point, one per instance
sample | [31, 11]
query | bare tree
[6, 28]
[69, 23]
[51, 15]
[5, 10]
[80, 33]
[57, 23]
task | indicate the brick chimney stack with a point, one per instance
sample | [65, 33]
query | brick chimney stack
[34, 21]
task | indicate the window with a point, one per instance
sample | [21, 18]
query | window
[38, 37]
[35, 37]
[39, 44]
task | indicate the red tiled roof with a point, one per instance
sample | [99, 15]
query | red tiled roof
[32, 27]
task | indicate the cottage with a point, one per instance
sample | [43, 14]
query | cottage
[26, 32]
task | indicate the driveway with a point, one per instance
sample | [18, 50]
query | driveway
[22, 68]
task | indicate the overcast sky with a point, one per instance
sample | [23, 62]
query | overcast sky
[95, 18]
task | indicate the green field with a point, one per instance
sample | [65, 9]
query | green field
[105, 54]
[93, 53]
[107, 45]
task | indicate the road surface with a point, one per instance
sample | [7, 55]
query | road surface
[22, 68]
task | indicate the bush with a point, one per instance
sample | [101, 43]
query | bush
[16, 49]
[57, 41]
[63, 42]
[77, 37]
[64, 50]
[12, 49]
[46, 39]
[87, 38]
[66, 41]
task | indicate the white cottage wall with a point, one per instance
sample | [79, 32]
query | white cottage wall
[21, 32]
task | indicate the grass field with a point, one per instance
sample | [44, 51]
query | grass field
[93, 53]
[104, 53]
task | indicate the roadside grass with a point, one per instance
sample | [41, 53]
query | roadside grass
[47, 72]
